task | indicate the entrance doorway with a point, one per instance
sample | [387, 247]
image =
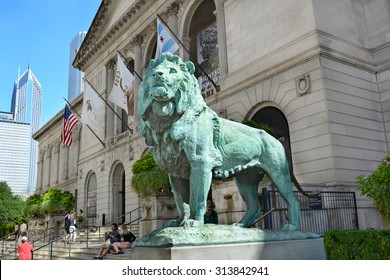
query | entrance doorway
[118, 194]
[91, 200]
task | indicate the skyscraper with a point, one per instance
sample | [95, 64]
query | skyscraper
[75, 80]
[15, 142]
[26, 107]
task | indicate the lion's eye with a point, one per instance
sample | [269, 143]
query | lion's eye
[172, 71]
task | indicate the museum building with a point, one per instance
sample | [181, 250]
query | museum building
[316, 72]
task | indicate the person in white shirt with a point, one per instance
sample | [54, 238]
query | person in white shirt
[23, 229]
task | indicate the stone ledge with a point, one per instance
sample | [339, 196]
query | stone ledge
[211, 234]
[307, 249]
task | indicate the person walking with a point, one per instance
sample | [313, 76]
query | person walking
[16, 233]
[25, 249]
[23, 229]
[67, 225]
[72, 228]
[81, 218]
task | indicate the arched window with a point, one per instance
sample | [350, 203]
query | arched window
[275, 119]
[204, 43]
[118, 193]
[91, 197]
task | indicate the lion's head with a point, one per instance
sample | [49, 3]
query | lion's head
[169, 86]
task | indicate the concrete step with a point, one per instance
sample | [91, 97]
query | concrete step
[86, 247]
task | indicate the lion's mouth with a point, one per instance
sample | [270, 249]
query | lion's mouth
[160, 93]
[163, 109]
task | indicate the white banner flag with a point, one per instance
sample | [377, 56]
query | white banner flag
[93, 111]
[121, 88]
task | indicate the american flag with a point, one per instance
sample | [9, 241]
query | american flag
[69, 122]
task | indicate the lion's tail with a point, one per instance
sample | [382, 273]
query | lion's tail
[298, 186]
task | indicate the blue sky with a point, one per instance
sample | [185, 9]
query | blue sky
[40, 32]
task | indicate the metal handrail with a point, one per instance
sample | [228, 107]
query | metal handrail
[92, 228]
[123, 215]
[266, 214]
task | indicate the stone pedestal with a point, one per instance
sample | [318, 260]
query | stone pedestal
[223, 242]
[156, 212]
[308, 249]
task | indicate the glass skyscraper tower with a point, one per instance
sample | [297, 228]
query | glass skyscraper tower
[75, 81]
[26, 107]
[15, 142]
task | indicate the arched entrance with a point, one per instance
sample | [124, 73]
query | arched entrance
[118, 193]
[91, 199]
[275, 119]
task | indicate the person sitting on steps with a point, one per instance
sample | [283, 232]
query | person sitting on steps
[128, 238]
[114, 236]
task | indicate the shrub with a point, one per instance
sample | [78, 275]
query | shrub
[148, 177]
[254, 124]
[51, 202]
[377, 187]
[55, 201]
[33, 206]
[357, 244]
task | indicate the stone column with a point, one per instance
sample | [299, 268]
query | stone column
[57, 145]
[221, 29]
[110, 116]
[172, 18]
[39, 172]
[137, 42]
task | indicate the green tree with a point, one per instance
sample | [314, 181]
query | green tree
[377, 187]
[11, 205]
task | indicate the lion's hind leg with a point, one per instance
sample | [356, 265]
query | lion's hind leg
[283, 183]
[247, 183]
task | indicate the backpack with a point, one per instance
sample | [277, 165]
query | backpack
[67, 221]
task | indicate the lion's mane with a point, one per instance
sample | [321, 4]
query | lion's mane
[185, 104]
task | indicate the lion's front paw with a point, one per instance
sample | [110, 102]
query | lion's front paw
[289, 227]
[192, 223]
[238, 225]
[173, 223]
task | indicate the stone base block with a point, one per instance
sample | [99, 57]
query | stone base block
[307, 249]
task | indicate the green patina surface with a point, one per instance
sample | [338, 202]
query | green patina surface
[194, 145]
[216, 234]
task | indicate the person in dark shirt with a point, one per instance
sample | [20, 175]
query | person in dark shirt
[113, 235]
[210, 217]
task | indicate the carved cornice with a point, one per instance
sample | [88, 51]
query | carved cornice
[137, 40]
[91, 46]
[111, 64]
[173, 9]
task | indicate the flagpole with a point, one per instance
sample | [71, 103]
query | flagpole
[104, 145]
[217, 88]
[131, 69]
[109, 106]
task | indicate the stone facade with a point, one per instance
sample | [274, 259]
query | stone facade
[321, 66]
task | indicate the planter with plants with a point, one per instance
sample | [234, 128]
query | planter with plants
[47, 211]
[152, 186]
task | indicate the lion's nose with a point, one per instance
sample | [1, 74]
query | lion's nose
[158, 73]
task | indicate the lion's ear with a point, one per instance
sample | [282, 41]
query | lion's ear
[190, 67]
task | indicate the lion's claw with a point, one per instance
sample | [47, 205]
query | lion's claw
[289, 227]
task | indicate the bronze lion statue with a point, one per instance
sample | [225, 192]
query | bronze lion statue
[194, 145]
